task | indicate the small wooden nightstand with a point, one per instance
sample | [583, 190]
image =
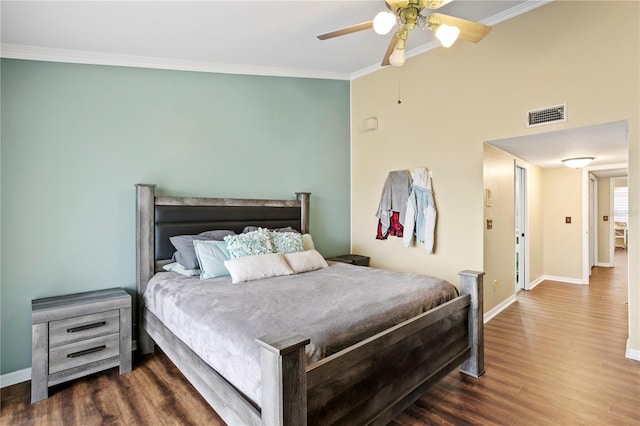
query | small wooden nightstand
[78, 334]
[353, 259]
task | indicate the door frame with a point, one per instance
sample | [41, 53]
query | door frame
[525, 218]
[586, 270]
[593, 221]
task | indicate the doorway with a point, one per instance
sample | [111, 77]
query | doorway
[521, 227]
[593, 214]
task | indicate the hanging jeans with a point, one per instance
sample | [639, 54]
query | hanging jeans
[420, 218]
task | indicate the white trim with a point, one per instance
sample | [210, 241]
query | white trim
[523, 165]
[15, 377]
[565, 279]
[514, 11]
[612, 231]
[35, 53]
[488, 316]
[492, 20]
[632, 353]
[593, 211]
[604, 265]
[586, 268]
[533, 284]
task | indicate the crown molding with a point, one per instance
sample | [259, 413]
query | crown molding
[35, 53]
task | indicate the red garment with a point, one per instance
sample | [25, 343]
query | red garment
[395, 227]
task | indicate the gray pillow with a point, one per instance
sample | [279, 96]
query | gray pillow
[217, 235]
[185, 252]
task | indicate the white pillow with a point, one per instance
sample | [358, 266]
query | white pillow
[257, 267]
[178, 268]
[307, 242]
[211, 256]
[305, 261]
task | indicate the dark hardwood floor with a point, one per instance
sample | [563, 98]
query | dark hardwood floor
[555, 357]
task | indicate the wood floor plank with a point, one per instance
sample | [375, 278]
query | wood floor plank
[555, 357]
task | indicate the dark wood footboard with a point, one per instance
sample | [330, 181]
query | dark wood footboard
[373, 381]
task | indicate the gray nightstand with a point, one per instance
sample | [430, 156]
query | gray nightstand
[78, 334]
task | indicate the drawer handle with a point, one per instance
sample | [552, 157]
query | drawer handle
[85, 327]
[86, 351]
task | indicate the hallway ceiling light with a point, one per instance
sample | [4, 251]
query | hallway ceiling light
[578, 162]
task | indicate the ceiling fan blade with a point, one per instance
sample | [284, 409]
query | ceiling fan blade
[347, 30]
[390, 49]
[469, 30]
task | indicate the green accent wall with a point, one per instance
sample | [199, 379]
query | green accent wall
[76, 138]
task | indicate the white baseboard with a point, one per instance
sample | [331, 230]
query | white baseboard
[20, 376]
[501, 307]
[564, 279]
[15, 377]
[632, 353]
[535, 282]
[604, 265]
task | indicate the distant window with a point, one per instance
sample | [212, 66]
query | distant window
[621, 204]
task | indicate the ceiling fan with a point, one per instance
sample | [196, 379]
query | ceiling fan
[406, 13]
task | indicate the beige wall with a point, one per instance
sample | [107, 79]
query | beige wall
[604, 227]
[455, 99]
[562, 246]
[499, 257]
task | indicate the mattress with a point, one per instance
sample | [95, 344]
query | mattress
[334, 307]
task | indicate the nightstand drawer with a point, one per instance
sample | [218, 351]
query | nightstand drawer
[83, 352]
[83, 327]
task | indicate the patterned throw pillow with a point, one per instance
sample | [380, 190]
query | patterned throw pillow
[250, 244]
[287, 242]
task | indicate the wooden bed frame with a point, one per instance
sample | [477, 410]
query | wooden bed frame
[370, 382]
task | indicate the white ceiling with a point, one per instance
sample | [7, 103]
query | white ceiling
[607, 143]
[268, 37]
[243, 37]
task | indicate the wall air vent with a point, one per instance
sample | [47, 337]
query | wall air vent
[547, 115]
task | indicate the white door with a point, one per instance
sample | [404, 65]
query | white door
[521, 227]
[593, 214]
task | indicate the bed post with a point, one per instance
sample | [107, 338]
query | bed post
[145, 254]
[284, 379]
[471, 284]
[303, 197]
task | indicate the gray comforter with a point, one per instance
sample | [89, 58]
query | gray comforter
[335, 307]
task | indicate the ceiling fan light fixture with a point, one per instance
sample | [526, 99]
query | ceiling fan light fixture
[383, 22]
[397, 58]
[578, 162]
[447, 34]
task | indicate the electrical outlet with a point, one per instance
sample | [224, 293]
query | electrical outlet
[495, 285]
